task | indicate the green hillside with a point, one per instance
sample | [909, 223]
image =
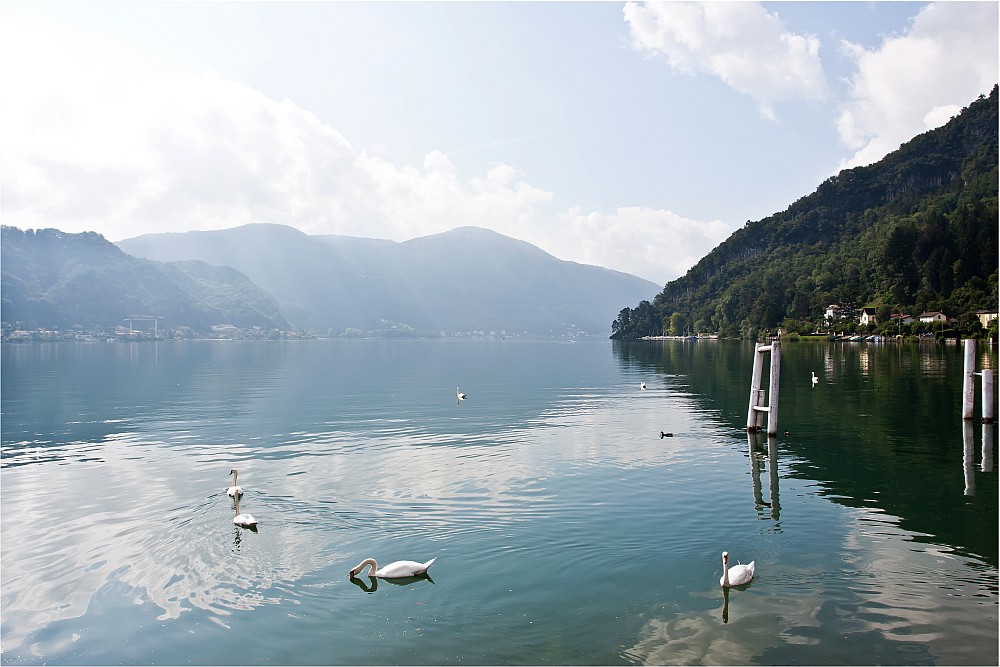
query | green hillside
[52, 279]
[912, 233]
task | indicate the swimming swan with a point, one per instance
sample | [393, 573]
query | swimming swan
[244, 520]
[814, 378]
[737, 575]
[459, 396]
[400, 568]
[234, 491]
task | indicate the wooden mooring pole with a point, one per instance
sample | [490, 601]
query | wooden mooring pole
[968, 379]
[757, 408]
[969, 385]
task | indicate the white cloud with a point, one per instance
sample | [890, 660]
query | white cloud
[916, 82]
[653, 243]
[741, 43]
[97, 139]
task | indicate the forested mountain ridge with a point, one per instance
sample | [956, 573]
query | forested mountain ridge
[914, 232]
[53, 279]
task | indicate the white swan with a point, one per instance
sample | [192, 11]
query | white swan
[814, 378]
[244, 520]
[459, 396]
[234, 491]
[400, 568]
[737, 575]
[642, 385]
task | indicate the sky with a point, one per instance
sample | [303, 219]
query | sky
[634, 136]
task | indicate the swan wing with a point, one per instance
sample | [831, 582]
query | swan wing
[741, 574]
[403, 568]
[234, 491]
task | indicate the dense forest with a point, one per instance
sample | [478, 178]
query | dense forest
[916, 232]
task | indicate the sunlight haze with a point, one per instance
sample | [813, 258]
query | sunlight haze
[631, 136]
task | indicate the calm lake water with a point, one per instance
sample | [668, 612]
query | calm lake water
[566, 530]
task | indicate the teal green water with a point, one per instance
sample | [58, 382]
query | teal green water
[566, 530]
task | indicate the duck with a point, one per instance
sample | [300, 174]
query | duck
[666, 435]
[737, 575]
[395, 570]
[459, 396]
[234, 491]
[244, 520]
[642, 385]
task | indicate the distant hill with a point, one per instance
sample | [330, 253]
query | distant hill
[466, 279]
[51, 279]
[915, 232]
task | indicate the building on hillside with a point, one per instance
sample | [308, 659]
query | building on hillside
[986, 316]
[901, 318]
[867, 317]
[933, 318]
[832, 312]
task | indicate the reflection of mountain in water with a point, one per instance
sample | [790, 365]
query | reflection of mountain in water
[881, 430]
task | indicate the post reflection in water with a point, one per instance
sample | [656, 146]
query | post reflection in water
[755, 442]
[968, 457]
[987, 448]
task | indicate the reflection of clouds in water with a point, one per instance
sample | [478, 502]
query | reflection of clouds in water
[455, 481]
[704, 639]
[70, 529]
[883, 594]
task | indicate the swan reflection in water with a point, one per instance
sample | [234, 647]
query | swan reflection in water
[372, 585]
[755, 442]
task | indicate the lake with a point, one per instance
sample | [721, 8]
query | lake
[566, 529]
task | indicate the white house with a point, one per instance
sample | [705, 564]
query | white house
[933, 317]
[833, 311]
[867, 316]
[985, 317]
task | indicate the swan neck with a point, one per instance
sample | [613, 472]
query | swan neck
[366, 562]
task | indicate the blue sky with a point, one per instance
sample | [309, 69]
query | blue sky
[629, 135]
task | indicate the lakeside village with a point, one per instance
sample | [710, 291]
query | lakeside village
[848, 323]
[842, 323]
[135, 329]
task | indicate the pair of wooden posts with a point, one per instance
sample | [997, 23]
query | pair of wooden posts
[759, 406]
[969, 385]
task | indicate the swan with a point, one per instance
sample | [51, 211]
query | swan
[737, 575]
[459, 395]
[244, 520]
[234, 491]
[400, 568]
[642, 385]
[814, 378]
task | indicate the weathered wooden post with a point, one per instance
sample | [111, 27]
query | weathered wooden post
[987, 376]
[755, 393]
[772, 389]
[968, 379]
[754, 417]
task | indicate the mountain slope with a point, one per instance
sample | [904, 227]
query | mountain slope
[59, 280]
[916, 231]
[462, 280]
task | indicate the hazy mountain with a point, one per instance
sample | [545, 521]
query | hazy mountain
[462, 280]
[59, 280]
